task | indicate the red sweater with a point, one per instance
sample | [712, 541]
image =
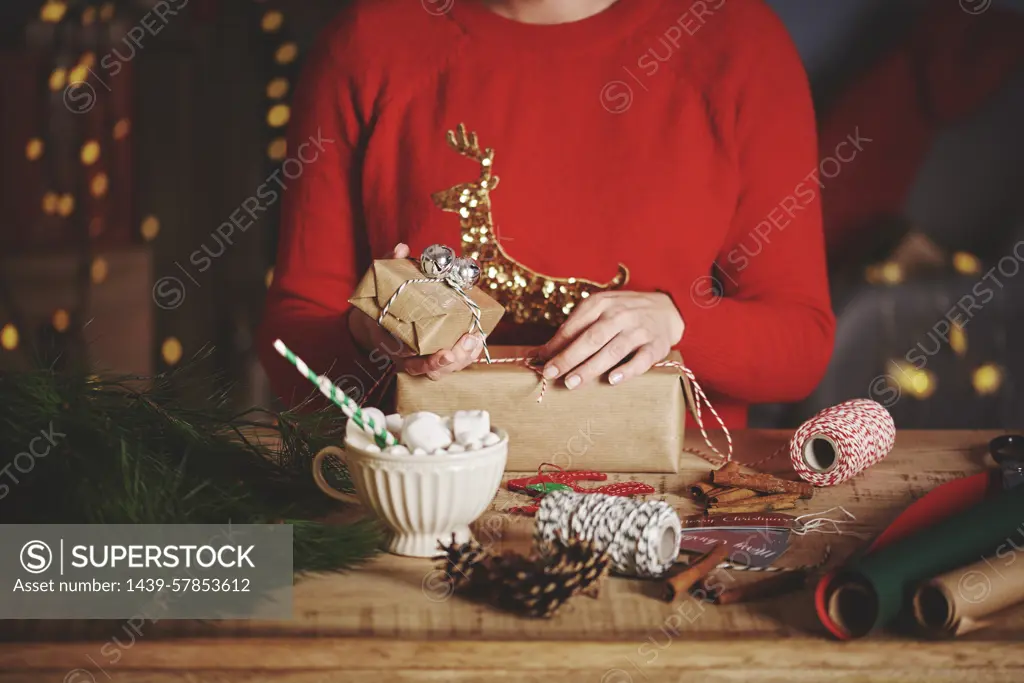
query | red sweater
[674, 136]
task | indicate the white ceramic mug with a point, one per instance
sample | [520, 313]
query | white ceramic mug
[422, 499]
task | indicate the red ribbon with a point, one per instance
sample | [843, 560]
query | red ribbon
[569, 478]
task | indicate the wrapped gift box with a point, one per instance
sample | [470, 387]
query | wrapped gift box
[426, 316]
[636, 426]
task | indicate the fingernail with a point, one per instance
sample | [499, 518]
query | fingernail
[444, 360]
[572, 381]
[470, 343]
[615, 378]
[550, 372]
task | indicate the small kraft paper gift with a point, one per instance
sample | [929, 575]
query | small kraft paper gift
[637, 426]
[427, 306]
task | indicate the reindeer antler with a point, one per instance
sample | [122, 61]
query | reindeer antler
[468, 146]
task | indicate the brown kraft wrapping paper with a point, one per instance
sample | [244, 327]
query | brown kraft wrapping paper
[637, 426]
[426, 316]
[963, 600]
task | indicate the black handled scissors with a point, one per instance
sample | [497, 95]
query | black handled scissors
[1008, 452]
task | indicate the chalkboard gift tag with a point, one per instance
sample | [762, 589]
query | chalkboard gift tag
[753, 540]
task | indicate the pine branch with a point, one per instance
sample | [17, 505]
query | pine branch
[127, 451]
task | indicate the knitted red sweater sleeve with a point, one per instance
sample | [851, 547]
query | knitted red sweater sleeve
[769, 337]
[321, 250]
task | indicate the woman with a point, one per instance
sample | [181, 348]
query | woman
[675, 137]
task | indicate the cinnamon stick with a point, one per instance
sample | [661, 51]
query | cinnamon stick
[783, 582]
[729, 495]
[780, 501]
[678, 585]
[731, 466]
[765, 483]
[701, 489]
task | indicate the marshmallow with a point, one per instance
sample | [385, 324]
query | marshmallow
[471, 425]
[356, 437]
[422, 415]
[394, 422]
[375, 414]
[426, 433]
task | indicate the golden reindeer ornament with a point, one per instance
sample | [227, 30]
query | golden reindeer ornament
[528, 296]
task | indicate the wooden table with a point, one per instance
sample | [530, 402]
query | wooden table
[393, 621]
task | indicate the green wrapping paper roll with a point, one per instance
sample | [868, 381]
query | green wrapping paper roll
[873, 590]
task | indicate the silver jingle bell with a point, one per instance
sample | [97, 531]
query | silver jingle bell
[437, 260]
[465, 273]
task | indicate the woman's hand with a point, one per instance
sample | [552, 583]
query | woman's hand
[369, 336]
[605, 329]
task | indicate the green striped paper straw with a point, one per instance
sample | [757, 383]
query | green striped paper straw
[381, 435]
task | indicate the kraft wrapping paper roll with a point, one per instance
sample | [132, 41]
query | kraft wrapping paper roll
[873, 590]
[961, 601]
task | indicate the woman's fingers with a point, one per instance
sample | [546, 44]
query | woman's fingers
[580, 319]
[586, 344]
[425, 365]
[466, 351]
[610, 355]
[640, 363]
[401, 250]
[446, 361]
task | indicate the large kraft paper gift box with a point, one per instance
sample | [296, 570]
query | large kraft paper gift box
[425, 316]
[637, 426]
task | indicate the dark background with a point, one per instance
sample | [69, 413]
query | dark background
[106, 198]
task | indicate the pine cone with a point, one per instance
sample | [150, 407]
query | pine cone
[581, 559]
[534, 586]
[525, 586]
[538, 586]
[460, 562]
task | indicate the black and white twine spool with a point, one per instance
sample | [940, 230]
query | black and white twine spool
[642, 538]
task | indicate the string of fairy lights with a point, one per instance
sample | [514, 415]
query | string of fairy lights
[284, 58]
[919, 383]
[284, 61]
[62, 204]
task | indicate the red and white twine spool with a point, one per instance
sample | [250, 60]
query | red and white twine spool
[842, 441]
